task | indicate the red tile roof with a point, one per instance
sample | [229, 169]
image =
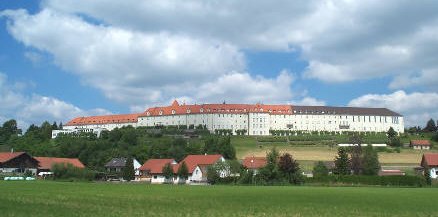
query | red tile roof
[6, 156]
[430, 159]
[194, 160]
[104, 119]
[420, 142]
[254, 162]
[47, 162]
[177, 109]
[155, 166]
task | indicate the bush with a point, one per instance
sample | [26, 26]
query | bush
[69, 172]
[414, 181]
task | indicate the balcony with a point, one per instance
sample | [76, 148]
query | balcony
[344, 127]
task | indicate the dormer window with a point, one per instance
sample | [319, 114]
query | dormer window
[147, 113]
[201, 110]
[188, 111]
[173, 111]
[161, 112]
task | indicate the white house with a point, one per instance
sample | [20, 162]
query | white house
[197, 166]
[255, 119]
[117, 164]
[152, 170]
[420, 144]
[430, 160]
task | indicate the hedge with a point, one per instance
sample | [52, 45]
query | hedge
[414, 181]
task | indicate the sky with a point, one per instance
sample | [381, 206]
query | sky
[61, 59]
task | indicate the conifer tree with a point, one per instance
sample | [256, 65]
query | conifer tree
[342, 163]
[128, 172]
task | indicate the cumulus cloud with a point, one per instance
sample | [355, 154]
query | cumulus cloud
[342, 40]
[416, 107]
[36, 108]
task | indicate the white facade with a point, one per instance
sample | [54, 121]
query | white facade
[262, 123]
[260, 119]
[434, 172]
[77, 130]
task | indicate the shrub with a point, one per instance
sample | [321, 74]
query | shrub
[64, 171]
[414, 181]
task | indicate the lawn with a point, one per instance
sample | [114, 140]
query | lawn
[109, 199]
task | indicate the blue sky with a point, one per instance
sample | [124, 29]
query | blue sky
[62, 59]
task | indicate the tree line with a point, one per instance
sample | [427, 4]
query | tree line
[140, 143]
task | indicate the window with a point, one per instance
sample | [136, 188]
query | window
[155, 177]
[173, 112]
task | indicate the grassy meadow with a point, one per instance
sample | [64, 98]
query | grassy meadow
[125, 199]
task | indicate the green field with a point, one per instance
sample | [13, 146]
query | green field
[111, 199]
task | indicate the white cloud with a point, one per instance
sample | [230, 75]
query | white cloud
[35, 109]
[416, 107]
[309, 101]
[128, 66]
[342, 40]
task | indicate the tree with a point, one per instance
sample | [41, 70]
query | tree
[212, 175]
[370, 162]
[391, 133]
[427, 175]
[288, 167]
[128, 172]
[430, 126]
[168, 171]
[356, 154]
[270, 172]
[320, 169]
[183, 171]
[342, 163]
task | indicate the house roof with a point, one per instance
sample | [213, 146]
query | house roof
[47, 162]
[104, 119]
[7, 156]
[254, 162]
[116, 162]
[194, 160]
[155, 166]
[177, 109]
[430, 159]
[420, 142]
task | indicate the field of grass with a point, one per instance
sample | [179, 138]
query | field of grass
[248, 146]
[109, 199]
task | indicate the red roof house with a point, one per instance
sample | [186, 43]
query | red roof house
[420, 144]
[46, 163]
[193, 161]
[254, 162]
[155, 166]
[430, 161]
[17, 162]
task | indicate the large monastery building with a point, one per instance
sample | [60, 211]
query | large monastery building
[255, 119]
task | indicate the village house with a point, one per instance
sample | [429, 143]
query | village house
[46, 163]
[420, 144]
[197, 166]
[254, 163]
[430, 160]
[152, 170]
[17, 162]
[116, 166]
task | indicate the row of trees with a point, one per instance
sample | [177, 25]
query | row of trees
[120, 142]
[357, 161]
[279, 169]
